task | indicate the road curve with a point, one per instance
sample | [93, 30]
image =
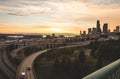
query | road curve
[28, 62]
[8, 63]
[5, 68]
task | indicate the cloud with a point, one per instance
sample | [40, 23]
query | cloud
[62, 13]
[42, 12]
[23, 14]
[106, 2]
[40, 26]
[15, 14]
[24, 7]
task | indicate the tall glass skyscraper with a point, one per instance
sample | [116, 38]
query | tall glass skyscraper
[98, 27]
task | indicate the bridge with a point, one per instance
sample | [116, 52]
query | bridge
[111, 71]
[15, 53]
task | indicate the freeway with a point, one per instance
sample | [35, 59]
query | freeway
[28, 62]
[6, 70]
[8, 63]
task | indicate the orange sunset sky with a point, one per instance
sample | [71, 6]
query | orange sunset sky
[57, 16]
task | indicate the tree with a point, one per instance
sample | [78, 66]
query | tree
[93, 46]
[66, 64]
[99, 62]
[81, 57]
[56, 66]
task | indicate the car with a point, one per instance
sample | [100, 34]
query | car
[28, 68]
[22, 76]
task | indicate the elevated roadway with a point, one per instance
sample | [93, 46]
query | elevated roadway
[28, 62]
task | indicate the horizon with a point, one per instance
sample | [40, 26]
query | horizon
[57, 16]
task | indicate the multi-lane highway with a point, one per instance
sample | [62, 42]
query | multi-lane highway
[8, 62]
[28, 62]
[5, 65]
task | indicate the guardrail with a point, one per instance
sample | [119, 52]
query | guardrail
[111, 71]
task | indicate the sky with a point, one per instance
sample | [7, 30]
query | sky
[57, 16]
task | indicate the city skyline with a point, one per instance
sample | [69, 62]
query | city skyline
[57, 16]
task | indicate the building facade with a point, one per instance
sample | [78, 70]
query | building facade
[98, 27]
[105, 28]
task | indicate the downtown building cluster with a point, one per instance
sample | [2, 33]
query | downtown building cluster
[97, 31]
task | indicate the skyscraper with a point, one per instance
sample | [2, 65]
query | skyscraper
[53, 35]
[98, 27]
[89, 30]
[84, 32]
[109, 31]
[94, 31]
[105, 28]
[80, 32]
[117, 29]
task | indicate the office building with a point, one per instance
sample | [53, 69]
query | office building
[109, 31]
[53, 35]
[98, 27]
[89, 30]
[84, 32]
[117, 29]
[105, 28]
[80, 32]
[94, 31]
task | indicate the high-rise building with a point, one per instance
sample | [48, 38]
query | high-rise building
[48, 36]
[109, 31]
[98, 27]
[94, 31]
[105, 28]
[89, 30]
[114, 30]
[80, 32]
[53, 35]
[84, 32]
[117, 29]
